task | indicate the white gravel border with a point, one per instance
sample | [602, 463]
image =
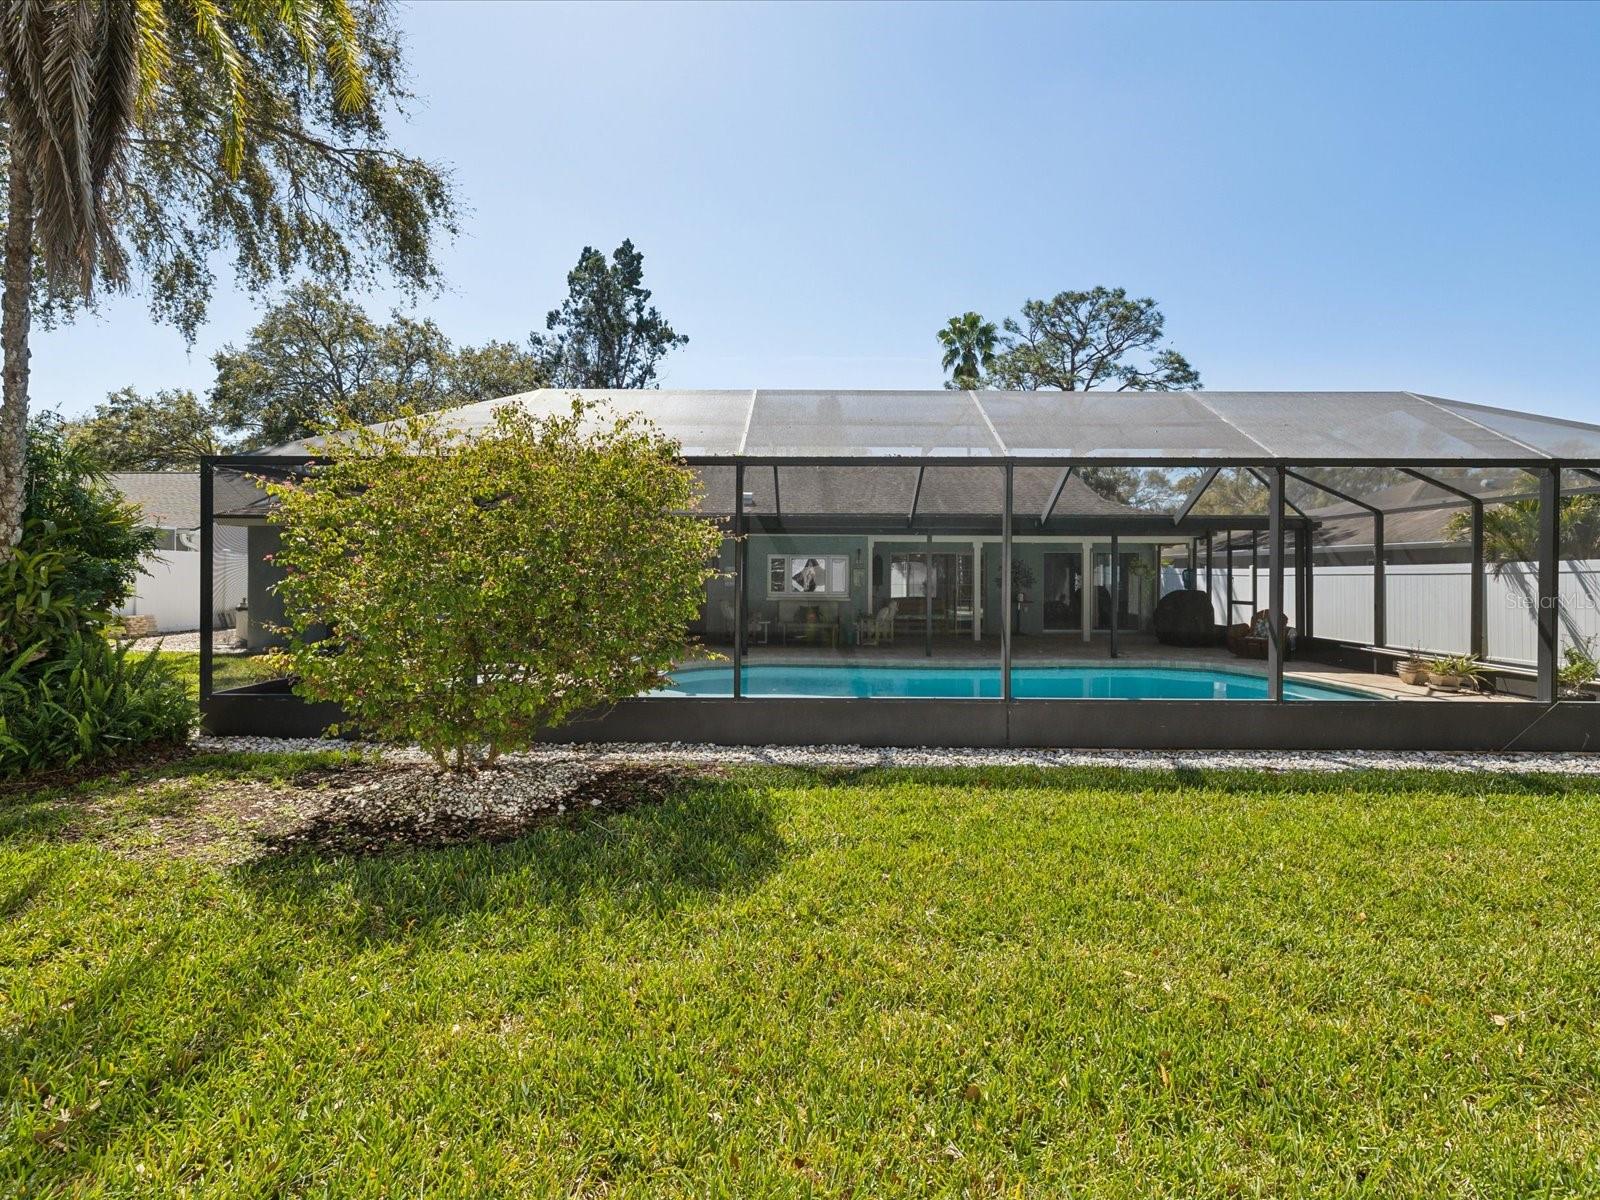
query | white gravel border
[686, 753]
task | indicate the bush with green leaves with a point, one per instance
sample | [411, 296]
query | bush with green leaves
[87, 700]
[465, 593]
[67, 696]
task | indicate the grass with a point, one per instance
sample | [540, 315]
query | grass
[227, 670]
[797, 984]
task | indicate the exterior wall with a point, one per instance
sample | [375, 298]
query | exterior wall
[1428, 605]
[760, 605]
[168, 584]
[265, 607]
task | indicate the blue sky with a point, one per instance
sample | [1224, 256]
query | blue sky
[1318, 196]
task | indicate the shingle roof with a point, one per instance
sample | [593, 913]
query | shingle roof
[168, 499]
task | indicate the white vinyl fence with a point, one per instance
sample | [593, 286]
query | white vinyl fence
[1428, 605]
[168, 588]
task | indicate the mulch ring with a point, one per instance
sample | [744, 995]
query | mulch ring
[376, 807]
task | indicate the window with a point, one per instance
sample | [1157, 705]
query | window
[821, 575]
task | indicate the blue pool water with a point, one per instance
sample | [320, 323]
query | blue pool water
[978, 682]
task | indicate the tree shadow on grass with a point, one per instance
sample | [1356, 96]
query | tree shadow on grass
[706, 839]
[136, 1011]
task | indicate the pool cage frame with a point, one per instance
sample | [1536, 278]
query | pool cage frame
[1549, 723]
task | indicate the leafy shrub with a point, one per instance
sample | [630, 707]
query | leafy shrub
[466, 593]
[66, 694]
[1579, 668]
[88, 699]
[75, 511]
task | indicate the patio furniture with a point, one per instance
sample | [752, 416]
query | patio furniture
[1185, 618]
[1250, 641]
[807, 623]
[878, 628]
[757, 629]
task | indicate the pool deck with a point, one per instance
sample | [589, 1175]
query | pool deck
[1069, 650]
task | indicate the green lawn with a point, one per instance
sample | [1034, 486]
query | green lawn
[786, 983]
[227, 670]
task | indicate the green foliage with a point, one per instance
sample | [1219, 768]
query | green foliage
[1460, 666]
[1079, 341]
[86, 699]
[1511, 530]
[67, 695]
[300, 178]
[171, 430]
[606, 334]
[479, 589]
[317, 359]
[73, 510]
[1578, 668]
[969, 344]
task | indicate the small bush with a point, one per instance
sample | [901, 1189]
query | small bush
[87, 700]
[465, 593]
[67, 696]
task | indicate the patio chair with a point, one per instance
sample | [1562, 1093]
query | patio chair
[878, 628]
[1250, 641]
[756, 626]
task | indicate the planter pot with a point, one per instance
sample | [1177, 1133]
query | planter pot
[1415, 676]
[1449, 683]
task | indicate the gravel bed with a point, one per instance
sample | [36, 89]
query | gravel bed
[688, 754]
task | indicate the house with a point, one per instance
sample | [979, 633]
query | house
[167, 589]
[1024, 543]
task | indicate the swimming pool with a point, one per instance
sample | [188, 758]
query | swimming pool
[1096, 682]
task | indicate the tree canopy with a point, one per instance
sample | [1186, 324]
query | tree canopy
[318, 359]
[147, 142]
[1080, 341]
[969, 349]
[170, 430]
[606, 334]
[1077, 341]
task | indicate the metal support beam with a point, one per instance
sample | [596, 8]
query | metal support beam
[1055, 494]
[1275, 647]
[1311, 580]
[1229, 621]
[1005, 589]
[1255, 571]
[739, 543]
[1267, 483]
[927, 599]
[1380, 601]
[777, 500]
[1477, 639]
[1116, 583]
[1005, 585]
[916, 496]
[207, 566]
[1193, 498]
[1549, 614]
[1301, 540]
[1211, 560]
[1477, 616]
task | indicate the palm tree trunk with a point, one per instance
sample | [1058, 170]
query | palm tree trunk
[15, 316]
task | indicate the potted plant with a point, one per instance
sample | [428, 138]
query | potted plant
[1578, 672]
[1413, 669]
[1455, 672]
